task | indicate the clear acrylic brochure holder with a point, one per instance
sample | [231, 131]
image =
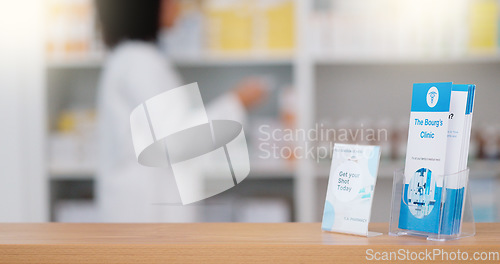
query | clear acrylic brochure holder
[454, 218]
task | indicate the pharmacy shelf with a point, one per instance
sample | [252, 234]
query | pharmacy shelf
[306, 84]
[58, 172]
[285, 170]
[75, 62]
[271, 170]
[484, 169]
[245, 59]
[329, 60]
[259, 170]
[478, 169]
[279, 59]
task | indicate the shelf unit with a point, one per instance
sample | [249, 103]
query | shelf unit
[260, 170]
[285, 59]
[318, 79]
[378, 60]
[208, 65]
[185, 61]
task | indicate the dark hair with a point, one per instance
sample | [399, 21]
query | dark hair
[128, 19]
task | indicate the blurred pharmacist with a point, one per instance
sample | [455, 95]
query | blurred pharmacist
[136, 70]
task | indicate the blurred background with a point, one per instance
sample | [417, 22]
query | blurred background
[339, 64]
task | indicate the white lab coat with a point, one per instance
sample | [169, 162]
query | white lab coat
[127, 191]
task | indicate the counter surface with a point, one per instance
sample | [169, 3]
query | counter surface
[216, 243]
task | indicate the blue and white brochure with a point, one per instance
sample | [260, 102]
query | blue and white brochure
[460, 118]
[425, 157]
[353, 175]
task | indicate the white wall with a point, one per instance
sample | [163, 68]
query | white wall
[23, 185]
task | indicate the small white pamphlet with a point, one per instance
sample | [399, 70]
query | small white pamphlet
[353, 175]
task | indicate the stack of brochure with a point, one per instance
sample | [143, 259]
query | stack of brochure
[438, 146]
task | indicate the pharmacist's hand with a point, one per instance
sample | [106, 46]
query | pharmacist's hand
[251, 91]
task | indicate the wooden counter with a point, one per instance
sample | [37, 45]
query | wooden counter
[216, 243]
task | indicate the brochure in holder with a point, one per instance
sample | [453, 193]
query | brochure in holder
[350, 191]
[437, 207]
